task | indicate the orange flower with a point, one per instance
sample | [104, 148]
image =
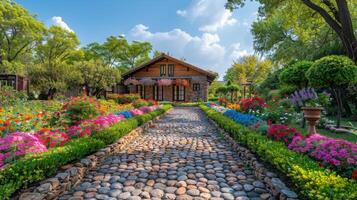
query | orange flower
[44, 130]
[27, 117]
[39, 115]
[17, 120]
[1, 110]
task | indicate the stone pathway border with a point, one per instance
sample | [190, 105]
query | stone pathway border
[277, 188]
[53, 187]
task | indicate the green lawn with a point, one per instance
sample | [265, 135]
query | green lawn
[346, 136]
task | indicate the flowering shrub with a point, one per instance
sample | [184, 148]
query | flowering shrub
[253, 103]
[126, 114]
[222, 101]
[124, 98]
[19, 144]
[233, 106]
[165, 82]
[282, 133]
[146, 109]
[136, 112]
[338, 154]
[245, 119]
[140, 103]
[52, 139]
[80, 108]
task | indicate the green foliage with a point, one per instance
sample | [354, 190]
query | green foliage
[80, 108]
[19, 32]
[35, 168]
[97, 76]
[332, 71]
[212, 89]
[11, 97]
[287, 89]
[118, 52]
[295, 74]
[312, 181]
[248, 68]
[124, 98]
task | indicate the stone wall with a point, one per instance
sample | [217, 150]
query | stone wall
[70, 175]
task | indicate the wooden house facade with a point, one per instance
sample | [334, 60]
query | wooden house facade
[166, 78]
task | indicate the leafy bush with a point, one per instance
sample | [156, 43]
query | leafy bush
[124, 98]
[282, 133]
[140, 103]
[253, 103]
[295, 73]
[34, 168]
[80, 108]
[11, 97]
[312, 181]
[336, 154]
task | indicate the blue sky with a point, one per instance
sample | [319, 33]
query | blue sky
[201, 31]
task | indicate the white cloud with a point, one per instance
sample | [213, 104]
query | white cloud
[181, 12]
[204, 50]
[211, 14]
[58, 21]
[237, 51]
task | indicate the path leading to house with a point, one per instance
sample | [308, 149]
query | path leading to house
[180, 157]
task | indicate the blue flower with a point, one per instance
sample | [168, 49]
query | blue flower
[244, 119]
[126, 114]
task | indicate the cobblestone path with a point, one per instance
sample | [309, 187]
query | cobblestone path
[179, 157]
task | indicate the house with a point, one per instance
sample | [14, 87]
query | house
[166, 78]
[17, 82]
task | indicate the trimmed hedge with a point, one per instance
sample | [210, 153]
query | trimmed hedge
[309, 179]
[31, 169]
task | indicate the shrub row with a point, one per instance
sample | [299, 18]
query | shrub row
[31, 169]
[309, 179]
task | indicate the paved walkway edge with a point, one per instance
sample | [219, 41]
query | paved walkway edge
[276, 187]
[53, 187]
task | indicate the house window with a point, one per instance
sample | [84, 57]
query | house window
[196, 87]
[162, 70]
[179, 93]
[171, 69]
[140, 89]
[155, 91]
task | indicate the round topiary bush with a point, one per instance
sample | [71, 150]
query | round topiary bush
[295, 73]
[333, 72]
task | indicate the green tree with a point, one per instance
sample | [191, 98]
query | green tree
[281, 44]
[295, 74]
[97, 76]
[334, 72]
[58, 46]
[212, 89]
[118, 52]
[19, 34]
[52, 72]
[305, 16]
[248, 68]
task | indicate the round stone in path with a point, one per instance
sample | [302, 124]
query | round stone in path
[180, 156]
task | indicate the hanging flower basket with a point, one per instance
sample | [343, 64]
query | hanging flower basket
[147, 81]
[182, 82]
[131, 81]
[165, 82]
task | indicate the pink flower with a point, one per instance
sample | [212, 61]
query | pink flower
[18, 144]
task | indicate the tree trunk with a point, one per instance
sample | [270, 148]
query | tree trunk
[341, 23]
[337, 94]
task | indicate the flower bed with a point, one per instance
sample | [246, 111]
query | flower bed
[35, 167]
[338, 155]
[312, 181]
